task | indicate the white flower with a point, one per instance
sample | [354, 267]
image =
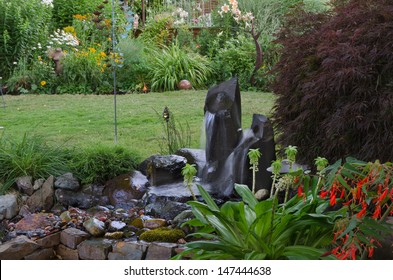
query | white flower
[48, 3]
[225, 8]
[15, 63]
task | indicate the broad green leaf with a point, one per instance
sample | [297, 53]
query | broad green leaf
[208, 199]
[246, 194]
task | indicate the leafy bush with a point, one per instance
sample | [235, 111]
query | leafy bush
[64, 10]
[32, 156]
[158, 31]
[84, 69]
[22, 26]
[133, 75]
[249, 229]
[235, 58]
[99, 164]
[169, 65]
[334, 82]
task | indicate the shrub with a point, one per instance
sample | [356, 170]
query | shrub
[85, 69]
[99, 164]
[133, 75]
[32, 156]
[64, 10]
[169, 65]
[235, 58]
[22, 26]
[334, 83]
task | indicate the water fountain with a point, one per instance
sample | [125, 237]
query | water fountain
[227, 144]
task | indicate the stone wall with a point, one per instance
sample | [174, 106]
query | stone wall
[75, 244]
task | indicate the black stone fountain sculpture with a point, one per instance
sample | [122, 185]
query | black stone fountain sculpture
[227, 144]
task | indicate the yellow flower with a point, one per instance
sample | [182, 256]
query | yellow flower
[43, 83]
[70, 29]
[80, 17]
[102, 54]
[93, 50]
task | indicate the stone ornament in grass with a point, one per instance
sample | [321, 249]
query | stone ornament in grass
[185, 85]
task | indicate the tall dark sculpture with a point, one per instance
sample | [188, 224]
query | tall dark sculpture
[227, 145]
[222, 124]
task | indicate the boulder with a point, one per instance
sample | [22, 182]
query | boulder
[17, 248]
[25, 184]
[95, 249]
[163, 169]
[124, 190]
[95, 227]
[43, 198]
[128, 251]
[75, 199]
[67, 182]
[8, 206]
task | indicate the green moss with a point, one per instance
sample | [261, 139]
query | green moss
[137, 222]
[162, 235]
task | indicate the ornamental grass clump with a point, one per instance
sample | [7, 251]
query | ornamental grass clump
[31, 156]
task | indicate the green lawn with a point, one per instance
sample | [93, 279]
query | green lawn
[84, 120]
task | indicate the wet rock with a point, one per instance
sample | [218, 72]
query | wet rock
[96, 193]
[66, 253]
[25, 184]
[132, 250]
[167, 210]
[160, 251]
[8, 206]
[124, 190]
[183, 217]
[72, 237]
[67, 182]
[96, 249]
[95, 227]
[116, 225]
[17, 248]
[154, 223]
[35, 222]
[194, 156]
[41, 254]
[114, 235]
[38, 183]
[161, 170]
[75, 199]
[42, 199]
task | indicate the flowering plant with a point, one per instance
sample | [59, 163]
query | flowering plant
[338, 213]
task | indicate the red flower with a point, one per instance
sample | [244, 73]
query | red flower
[363, 211]
[300, 190]
[333, 199]
[342, 193]
[377, 212]
[323, 194]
